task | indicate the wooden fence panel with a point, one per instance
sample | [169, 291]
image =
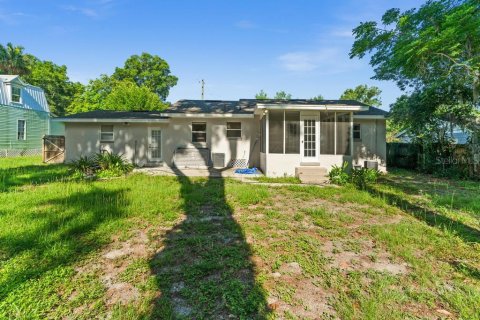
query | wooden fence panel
[53, 150]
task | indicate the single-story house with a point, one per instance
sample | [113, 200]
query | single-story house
[277, 136]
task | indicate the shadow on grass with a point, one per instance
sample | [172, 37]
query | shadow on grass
[15, 177]
[432, 218]
[57, 232]
[205, 270]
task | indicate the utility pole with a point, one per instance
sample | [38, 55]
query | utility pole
[203, 88]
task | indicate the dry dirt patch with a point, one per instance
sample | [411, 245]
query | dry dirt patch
[367, 257]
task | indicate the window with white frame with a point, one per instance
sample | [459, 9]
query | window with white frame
[106, 133]
[16, 94]
[199, 132]
[21, 130]
[357, 132]
[234, 130]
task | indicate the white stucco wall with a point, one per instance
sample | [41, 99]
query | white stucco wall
[131, 139]
[372, 145]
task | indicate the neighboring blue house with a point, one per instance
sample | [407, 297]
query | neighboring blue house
[459, 136]
[24, 117]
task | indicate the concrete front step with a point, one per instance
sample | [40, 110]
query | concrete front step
[192, 158]
[311, 174]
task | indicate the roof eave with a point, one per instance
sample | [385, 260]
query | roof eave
[208, 115]
[109, 120]
[373, 116]
[311, 107]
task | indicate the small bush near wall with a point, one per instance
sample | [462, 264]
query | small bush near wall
[102, 165]
[360, 178]
[339, 175]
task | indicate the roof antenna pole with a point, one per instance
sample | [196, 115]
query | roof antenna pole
[203, 88]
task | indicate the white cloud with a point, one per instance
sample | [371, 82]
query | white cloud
[245, 24]
[342, 33]
[89, 12]
[323, 61]
[11, 18]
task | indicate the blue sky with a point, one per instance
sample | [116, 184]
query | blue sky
[238, 47]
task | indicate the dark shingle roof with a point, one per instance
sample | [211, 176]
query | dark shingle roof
[242, 106]
[372, 111]
[109, 114]
[211, 106]
[306, 102]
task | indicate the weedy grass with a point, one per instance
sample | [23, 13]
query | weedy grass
[215, 248]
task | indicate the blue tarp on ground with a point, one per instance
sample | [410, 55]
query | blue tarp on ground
[247, 171]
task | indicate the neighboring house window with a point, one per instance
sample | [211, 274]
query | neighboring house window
[16, 96]
[234, 129]
[22, 130]
[356, 132]
[106, 133]
[199, 132]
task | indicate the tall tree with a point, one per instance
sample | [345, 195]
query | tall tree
[93, 95]
[53, 79]
[262, 95]
[128, 96]
[437, 43]
[149, 71]
[12, 60]
[282, 95]
[365, 94]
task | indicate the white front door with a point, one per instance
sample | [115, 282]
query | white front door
[309, 135]
[154, 144]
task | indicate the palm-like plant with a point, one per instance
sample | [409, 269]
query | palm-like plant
[13, 60]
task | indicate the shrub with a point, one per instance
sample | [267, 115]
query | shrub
[113, 163]
[339, 175]
[102, 164]
[84, 166]
[363, 176]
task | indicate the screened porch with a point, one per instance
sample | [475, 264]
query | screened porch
[291, 138]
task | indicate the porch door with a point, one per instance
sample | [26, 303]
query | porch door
[154, 144]
[309, 135]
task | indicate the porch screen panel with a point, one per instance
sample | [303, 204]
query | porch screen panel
[327, 132]
[275, 131]
[292, 132]
[343, 133]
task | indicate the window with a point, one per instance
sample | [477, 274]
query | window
[343, 133]
[199, 132]
[234, 129]
[275, 131]
[356, 132]
[106, 133]
[22, 130]
[292, 132]
[16, 94]
[327, 132]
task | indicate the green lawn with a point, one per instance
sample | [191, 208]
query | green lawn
[145, 247]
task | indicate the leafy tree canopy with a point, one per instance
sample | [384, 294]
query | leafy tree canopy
[148, 71]
[130, 96]
[318, 97]
[365, 94]
[282, 95]
[262, 95]
[106, 93]
[12, 60]
[53, 79]
[439, 42]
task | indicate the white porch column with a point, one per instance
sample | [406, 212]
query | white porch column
[267, 133]
[351, 136]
